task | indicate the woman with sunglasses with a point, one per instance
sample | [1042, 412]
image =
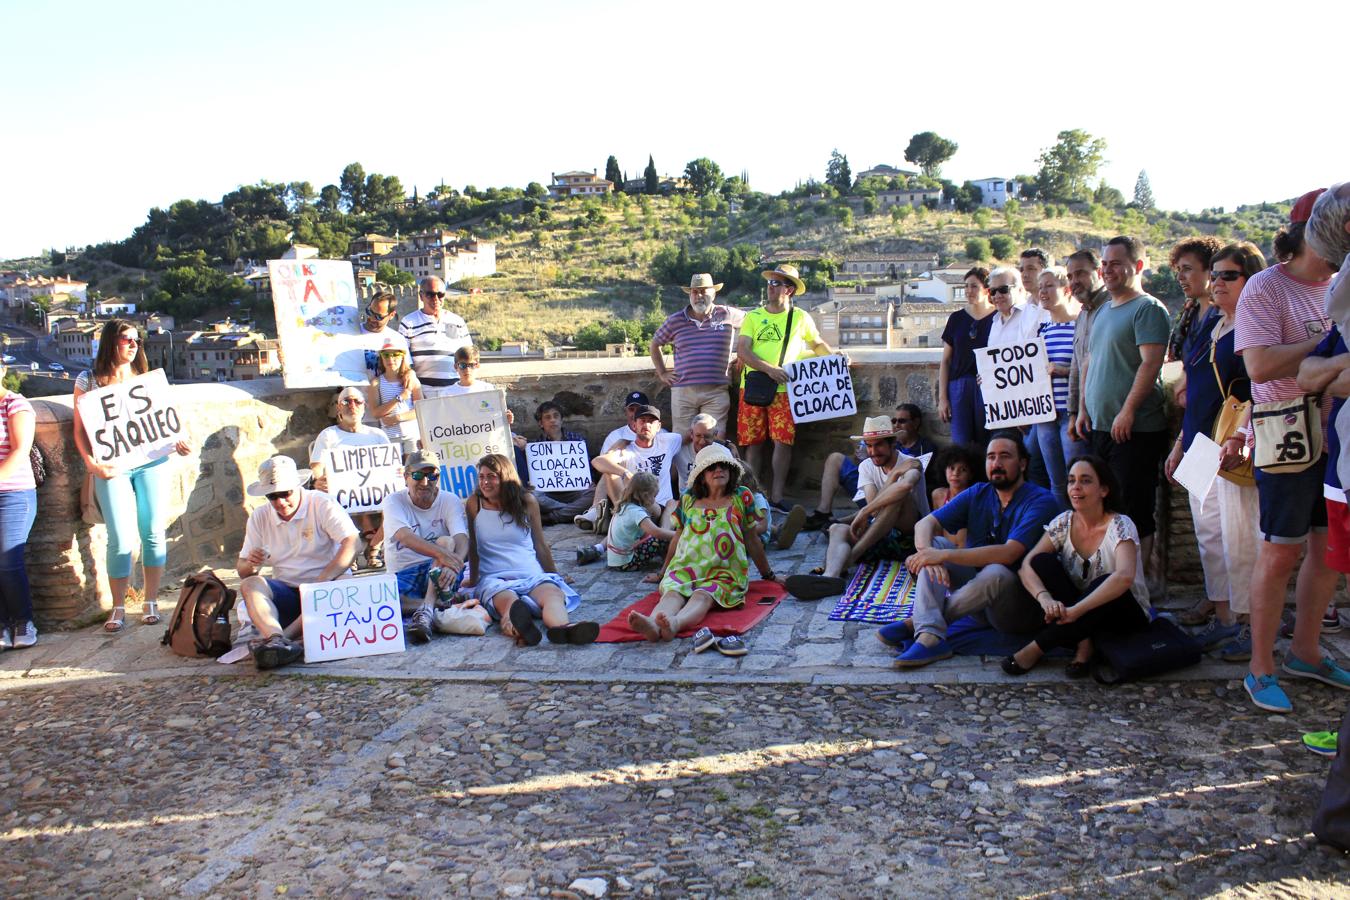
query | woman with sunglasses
[132, 503]
[391, 396]
[967, 330]
[1227, 518]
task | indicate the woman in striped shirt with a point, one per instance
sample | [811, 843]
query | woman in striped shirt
[1061, 311]
[18, 509]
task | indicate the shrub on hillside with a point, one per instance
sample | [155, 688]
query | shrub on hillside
[1002, 246]
[977, 249]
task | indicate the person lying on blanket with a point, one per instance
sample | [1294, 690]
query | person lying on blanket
[708, 561]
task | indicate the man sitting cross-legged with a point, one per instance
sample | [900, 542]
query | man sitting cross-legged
[652, 450]
[894, 499]
[429, 539]
[1003, 518]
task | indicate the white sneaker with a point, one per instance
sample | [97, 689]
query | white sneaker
[25, 635]
[586, 521]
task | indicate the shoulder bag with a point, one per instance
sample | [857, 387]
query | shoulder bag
[1288, 434]
[760, 389]
[1232, 416]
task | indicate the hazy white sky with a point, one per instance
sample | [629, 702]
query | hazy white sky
[112, 108]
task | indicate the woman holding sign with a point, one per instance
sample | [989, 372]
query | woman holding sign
[132, 502]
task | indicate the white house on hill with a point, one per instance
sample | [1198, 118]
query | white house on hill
[998, 191]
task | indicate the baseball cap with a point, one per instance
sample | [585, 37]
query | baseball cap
[648, 410]
[1302, 209]
[422, 459]
[636, 398]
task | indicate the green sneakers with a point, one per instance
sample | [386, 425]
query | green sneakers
[1323, 743]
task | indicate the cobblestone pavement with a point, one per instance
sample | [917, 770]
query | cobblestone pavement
[318, 786]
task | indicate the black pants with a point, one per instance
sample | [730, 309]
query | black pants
[1135, 464]
[1119, 615]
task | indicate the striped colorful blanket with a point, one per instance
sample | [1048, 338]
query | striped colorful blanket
[879, 592]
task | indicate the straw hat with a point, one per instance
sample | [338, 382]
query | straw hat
[699, 282]
[790, 273]
[710, 455]
[874, 429]
[276, 475]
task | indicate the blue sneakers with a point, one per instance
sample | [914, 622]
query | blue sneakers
[1239, 649]
[1216, 634]
[918, 655]
[1267, 694]
[1325, 671]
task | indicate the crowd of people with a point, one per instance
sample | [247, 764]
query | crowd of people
[1048, 538]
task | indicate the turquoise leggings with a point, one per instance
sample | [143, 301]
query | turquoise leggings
[132, 503]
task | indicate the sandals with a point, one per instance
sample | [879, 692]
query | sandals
[1198, 614]
[149, 613]
[117, 621]
[575, 633]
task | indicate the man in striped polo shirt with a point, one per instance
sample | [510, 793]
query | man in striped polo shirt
[434, 334]
[704, 336]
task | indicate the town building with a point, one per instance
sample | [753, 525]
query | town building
[24, 290]
[889, 266]
[301, 251]
[996, 192]
[946, 285]
[443, 254]
[578, 184]
[666, 184]
[920, 323]
[78, 341]
[364, 250]
[864, 321]
[917, 196]
[227, 353]
[114, 306]
[885, 171]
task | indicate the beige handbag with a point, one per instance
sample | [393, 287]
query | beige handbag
[1232, 416]
[1288, 434]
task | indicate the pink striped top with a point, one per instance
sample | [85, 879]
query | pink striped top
[12, 404]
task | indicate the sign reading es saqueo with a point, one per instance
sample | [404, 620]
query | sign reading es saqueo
[1015, 384]
[351, 617]
[558, 466]
[461, 430]
[359, 478]
[820, 387]
[131, 423]
[318, 323]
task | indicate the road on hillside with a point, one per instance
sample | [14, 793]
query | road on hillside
[26, 349]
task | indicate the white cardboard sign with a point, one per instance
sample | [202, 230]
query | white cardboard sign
[359, 478]
[820, 387]
[1015, 384]
[318, 323]
[351, 617]
[558, 466]
[131, 423]
[461, 430]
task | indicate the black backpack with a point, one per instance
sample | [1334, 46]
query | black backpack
[201, 624]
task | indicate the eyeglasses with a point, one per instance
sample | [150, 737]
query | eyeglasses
[279, 495]
[352, 401]
[1225, 275]
[388, 354]
[129, 341]
[437, 294]
[423, 475]
[372, 314]
[1004, 289]
[466, 365]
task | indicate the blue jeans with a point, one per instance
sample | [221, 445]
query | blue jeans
[963, 395]
[1072, 449]
[18, 510]
[1050, 436]
[133, 505]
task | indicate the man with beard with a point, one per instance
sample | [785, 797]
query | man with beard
[1085, 281]
[704, 337]
[893, 500]
[1003, 518]
[652, 451]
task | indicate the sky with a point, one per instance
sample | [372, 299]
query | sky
[113, 108]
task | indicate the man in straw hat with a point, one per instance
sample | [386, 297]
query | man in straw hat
[704, 336]
[306, 537]
[892, 485]
[760, 347]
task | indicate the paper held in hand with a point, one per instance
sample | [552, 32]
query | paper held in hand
[1015, 384]
[351, 617]
[1199, 467]
[558, 466]
[820, 387]
[131, 423]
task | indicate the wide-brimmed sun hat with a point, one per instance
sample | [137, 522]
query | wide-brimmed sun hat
[709, 456]
[276, 475]
[790, 273]
[875, 428]
[699, 282]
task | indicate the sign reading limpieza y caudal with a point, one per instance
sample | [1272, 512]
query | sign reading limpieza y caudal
[558, 466]
[359, 478]
[820, 387]
[461, 430]
[1015, 384]
[318, 322]
[351, 617]
[131, 423]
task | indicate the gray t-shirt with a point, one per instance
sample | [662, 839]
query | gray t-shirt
[1114, 358]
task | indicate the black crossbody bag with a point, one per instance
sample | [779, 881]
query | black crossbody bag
[760, 389]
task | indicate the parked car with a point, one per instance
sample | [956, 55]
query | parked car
[56, 367]
[7, 358]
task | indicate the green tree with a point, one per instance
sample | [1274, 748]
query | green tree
[330, 196]
[381, 192]
[1143, 191]
[300, 195]
[613, 174]
[928, 151]
[653, 181]
[977, 249]
[353, 185]
[838, 173]
[536, 190]
[1108, 196]
[392, 274]
[704, 175]
[1002, 246]
[1069, 166]
[1163, 284]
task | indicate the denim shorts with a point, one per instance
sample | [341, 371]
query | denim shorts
[1292, 504]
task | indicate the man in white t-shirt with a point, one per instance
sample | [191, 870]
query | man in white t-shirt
[434, 334]
[428, 544]
[702, 431]
[652, 451]
[350, 432]
[306, 538]
[890, 486]
[597, 517]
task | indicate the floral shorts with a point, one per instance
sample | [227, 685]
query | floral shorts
[755, 423]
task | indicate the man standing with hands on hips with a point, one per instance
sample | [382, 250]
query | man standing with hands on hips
[704, 337]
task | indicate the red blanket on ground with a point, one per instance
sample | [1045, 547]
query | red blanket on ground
[721, 621]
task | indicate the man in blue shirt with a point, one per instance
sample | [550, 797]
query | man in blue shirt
[1004, 518]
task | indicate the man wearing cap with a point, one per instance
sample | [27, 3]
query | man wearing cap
[704, 337]
[428, 543]
[652, 450]
[892, 492]
[434, 334]
[306, 538]
[350, 432]
[596, 518]
[759, 348]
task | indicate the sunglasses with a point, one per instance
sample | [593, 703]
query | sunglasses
[1225, 275]
[372, 314]
[900, 421]
[1005, 289]
[279, 495]
[422, 475]
[437, 294]
[776, 283]
[352, 401]
[129, 341]
[466, 365]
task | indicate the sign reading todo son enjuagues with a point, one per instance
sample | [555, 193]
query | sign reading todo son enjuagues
[1015, 384]
[351, 617]
[820, 387]
[131, 423]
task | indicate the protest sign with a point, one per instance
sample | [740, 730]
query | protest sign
[820, 387]
[351, 617]
[558, 466]
[359, 478]
[461, 430]
[131, 423]
[1015, 384]
[319, 323]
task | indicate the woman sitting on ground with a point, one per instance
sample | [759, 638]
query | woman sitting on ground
[1085, 573]
[960, 467]
[709, 558]
[511, 566]
[635, 541]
